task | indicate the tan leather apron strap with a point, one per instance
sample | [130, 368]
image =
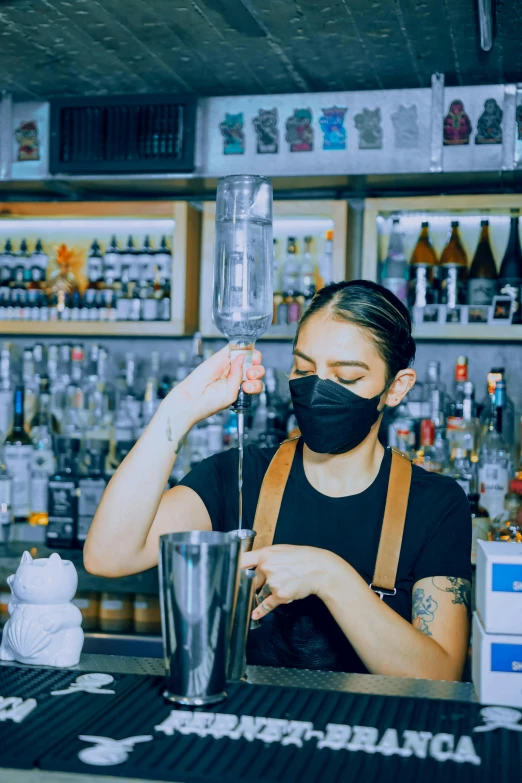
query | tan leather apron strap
[383, 582]
[271, 495]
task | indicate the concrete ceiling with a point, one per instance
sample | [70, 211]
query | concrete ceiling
[219, 47]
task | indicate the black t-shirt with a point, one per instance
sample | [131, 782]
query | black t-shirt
[303, 634]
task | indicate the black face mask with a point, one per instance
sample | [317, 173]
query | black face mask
[332, 419]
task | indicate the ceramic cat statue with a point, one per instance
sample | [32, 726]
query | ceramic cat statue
[44, 627]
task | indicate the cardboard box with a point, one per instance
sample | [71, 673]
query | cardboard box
[496, 666]
[499, 586]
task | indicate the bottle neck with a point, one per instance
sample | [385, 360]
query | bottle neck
[18, 420]
[65, 464]
[497, 420]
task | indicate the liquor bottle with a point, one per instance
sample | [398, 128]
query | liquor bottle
[488, 406]
[510, 275]
[307, 283]
[91, 489]
[7, 264]
[423, 286]
[428, 457]
[112, 260]
[165, 306]
[289, 310]
[434, 393]
[278, 280]
[39, 259]
[63, 501]
[494, 462]
[43, 416]
[123, 302]
[23, 259]
[18, 451]
[461, 469]
[324, 273]
[480, 521]
[149, 302]
[482, 281]
[454, 408]
[6, 498]
[146, 262]
[129, 258]
[95, 266]
[454, 270]
[6, 391]
[509, 526]
[163, 260]
[395, 271]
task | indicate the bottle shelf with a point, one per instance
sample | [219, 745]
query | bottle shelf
[173, 328]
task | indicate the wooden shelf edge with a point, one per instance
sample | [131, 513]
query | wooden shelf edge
[479, 332]
[93, 329]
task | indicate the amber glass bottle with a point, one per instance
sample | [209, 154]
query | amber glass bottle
[424, 283]
[454, 270]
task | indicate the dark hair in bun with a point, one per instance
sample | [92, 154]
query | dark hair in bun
[372, 307]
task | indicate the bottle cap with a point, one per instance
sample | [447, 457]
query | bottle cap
[454, 223]
[329, 235]
[484, 222]
[425, 224]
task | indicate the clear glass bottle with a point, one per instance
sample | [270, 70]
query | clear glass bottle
[461, 469]
[494, 465]
[18, 451]
[435, 392]
[395, 269]
[243, 294]
[6, 497]
[112, 259]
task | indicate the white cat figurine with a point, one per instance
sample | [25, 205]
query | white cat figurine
[44, 627]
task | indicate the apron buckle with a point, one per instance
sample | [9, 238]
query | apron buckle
[382, 591]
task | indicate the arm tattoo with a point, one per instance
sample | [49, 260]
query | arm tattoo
[461, 589]
[180, 442]
[423, 610]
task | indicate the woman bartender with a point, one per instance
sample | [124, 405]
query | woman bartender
[352, 357]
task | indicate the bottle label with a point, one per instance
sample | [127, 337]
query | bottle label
[453, 286]
[511, 287]
[6, 492]
[18, 463]
[60, 530]
[62, 499]
[481, 291]
[493, 487]
[90, 496]
[149, 311]
[39, 488]
[420, 284]
[293, 312]
[43, 461]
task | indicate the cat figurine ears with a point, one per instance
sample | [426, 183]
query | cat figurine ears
[54, 560]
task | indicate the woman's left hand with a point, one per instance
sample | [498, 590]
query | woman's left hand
[287, 573]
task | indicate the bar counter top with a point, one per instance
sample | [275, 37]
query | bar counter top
[330, 681]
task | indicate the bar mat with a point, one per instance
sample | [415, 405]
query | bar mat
[23, 744]
[267, 734]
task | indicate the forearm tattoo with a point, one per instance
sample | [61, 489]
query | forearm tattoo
[461, 589]
[180, 442]
[423, 610]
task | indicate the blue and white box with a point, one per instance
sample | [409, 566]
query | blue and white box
[499, 586]
[497, 666]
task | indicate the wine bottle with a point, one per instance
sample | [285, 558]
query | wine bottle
[423, 286]
[18, 450]
[482, 282]
[454, 264]
[510, 275]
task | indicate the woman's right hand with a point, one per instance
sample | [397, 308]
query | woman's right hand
[214, 385]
